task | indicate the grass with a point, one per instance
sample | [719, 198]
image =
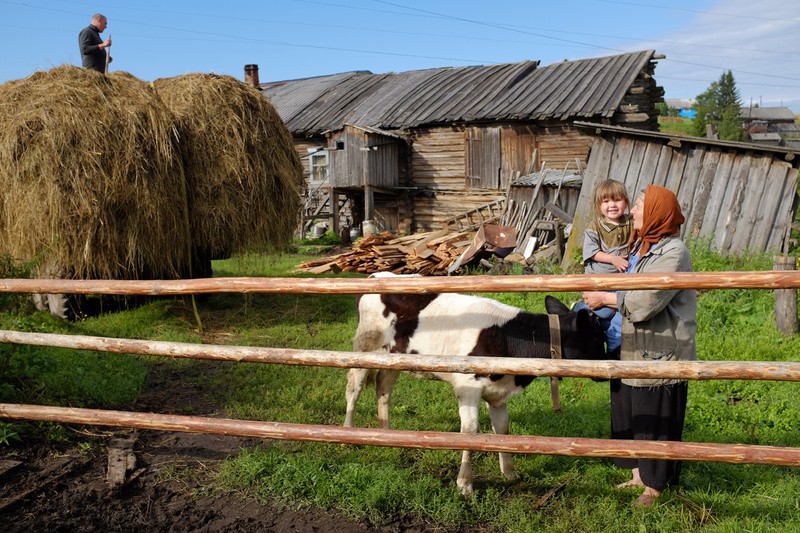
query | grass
[380, 483]
[676, 125]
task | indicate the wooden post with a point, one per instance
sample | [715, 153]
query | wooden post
[333, 196]
[369, 203]
[785, 299]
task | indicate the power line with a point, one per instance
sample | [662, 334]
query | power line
[697, 11]
[545, 34]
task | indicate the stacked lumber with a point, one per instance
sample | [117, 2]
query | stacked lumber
[428, 254]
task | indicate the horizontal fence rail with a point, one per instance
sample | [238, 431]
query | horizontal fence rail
[768, 279]
[697, 370]
[568, 446]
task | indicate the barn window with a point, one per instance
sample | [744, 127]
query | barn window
[318, 165]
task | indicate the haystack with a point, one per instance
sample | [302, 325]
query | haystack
[91, 185]
[243, 175]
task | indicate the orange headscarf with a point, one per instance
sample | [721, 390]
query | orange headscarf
[661, 218]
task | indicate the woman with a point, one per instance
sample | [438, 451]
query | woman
[657, 325]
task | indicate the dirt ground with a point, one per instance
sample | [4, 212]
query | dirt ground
[64, 486]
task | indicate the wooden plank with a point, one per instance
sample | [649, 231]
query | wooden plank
[676, 166]
[786, 211]
[754, 188]
[649, 165]
[597, 170]
[731, 204]
[635, 165]
[774, 190]
[703, 186]
[422, 241]
[662, 170]
[620, 160]
[689, 180]
[722, 180]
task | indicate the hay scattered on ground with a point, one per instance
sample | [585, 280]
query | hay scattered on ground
[90, 178]
[243, 174]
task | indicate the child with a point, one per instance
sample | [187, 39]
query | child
[605, 248]
[605, 243]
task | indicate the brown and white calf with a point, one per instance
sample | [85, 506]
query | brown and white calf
[457, 324]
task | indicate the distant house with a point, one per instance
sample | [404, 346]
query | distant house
[681, 106]
[412, 149]
[775, 126]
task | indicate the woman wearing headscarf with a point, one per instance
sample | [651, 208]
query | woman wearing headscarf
[658, 325]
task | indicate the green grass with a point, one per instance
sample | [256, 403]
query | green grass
[676, 125]
[381, 483]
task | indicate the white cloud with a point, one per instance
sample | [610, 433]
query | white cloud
[758, 41]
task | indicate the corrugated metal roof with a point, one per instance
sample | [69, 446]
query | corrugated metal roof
[584, 88]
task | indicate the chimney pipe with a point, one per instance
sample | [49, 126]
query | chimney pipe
[251, 75]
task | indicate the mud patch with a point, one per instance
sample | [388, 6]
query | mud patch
[64, 486]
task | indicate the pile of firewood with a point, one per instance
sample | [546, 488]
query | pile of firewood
[429, 254]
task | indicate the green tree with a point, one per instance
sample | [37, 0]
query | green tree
[719, 105]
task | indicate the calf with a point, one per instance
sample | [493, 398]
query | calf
[457, 324]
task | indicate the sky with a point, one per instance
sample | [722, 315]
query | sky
[758, 40]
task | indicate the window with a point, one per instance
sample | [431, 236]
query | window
[318, 166]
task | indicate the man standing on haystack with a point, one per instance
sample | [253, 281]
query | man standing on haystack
[92, 46]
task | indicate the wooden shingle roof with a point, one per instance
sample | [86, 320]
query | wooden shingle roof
[582, 89]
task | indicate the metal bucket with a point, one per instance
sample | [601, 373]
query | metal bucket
[317, 231]
[369, 228]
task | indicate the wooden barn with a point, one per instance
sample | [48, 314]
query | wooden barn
[411, 150]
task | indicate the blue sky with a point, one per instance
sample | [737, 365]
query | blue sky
[759, 40]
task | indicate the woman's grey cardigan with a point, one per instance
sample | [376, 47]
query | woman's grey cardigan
[659, 325]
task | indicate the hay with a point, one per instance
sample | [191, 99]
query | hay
[112, 177]
[90, 182]
[243, 174]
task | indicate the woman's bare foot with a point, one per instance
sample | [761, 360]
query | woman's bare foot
[635, 480]
[648, 497]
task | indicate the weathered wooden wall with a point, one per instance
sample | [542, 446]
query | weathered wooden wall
[358, 158]
[738, 197]
[559, 146]
[466, 167]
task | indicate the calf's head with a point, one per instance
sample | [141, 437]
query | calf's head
[582, 336]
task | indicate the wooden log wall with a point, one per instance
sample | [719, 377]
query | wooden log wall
[439, 163]
[740, 199]
[638, 107]
[559, 145]
[438, 158]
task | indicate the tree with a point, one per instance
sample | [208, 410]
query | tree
[719, 105]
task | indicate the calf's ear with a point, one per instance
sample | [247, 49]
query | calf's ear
[554, 306]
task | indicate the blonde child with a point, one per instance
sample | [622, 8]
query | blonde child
[605, 250]
[605, 242]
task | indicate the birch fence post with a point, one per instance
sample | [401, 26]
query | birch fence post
[785, 299]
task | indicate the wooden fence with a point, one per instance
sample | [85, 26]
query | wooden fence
[568, 446]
